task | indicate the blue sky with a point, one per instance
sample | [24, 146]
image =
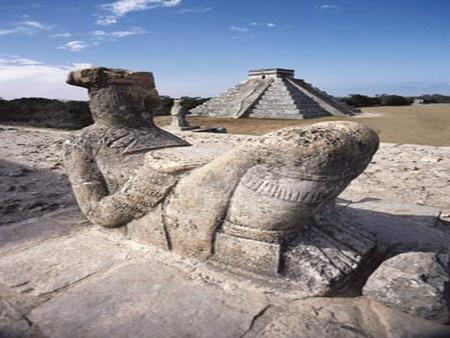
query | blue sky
[202, 47]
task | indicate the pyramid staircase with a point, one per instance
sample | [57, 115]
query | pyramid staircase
[283, 100]
[234, 102]
[273, 93]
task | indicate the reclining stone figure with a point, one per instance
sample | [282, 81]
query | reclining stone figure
[266, 207]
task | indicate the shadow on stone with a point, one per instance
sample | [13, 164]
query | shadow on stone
[27, 192]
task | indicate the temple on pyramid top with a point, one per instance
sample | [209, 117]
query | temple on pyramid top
[273, 93]
[272, 73]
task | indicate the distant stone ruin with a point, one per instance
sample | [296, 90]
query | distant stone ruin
[418, 101]
[265, 207]
[179, 121]
[273, 93]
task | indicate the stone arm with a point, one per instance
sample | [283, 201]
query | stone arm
[141, 192]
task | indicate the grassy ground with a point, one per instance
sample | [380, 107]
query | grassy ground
[426, 124]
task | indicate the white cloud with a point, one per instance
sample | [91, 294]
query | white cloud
[120, 8]
[80, 65]
[329, 7]
[100, 34]
[34, 24]
[6, 31]
[61, 35]
[195, 10]
[263, 24]
[106, 20]
[24, 77]
[74, 46]
[28, 27]
[239, 29]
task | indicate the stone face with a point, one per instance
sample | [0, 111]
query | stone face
[40, 270]
[415, 282]
[273, 93]
[154, 300]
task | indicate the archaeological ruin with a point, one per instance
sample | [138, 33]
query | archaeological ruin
[274, 93]
[185, 234]
[265, 209]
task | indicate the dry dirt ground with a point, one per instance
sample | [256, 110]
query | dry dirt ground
[424, 124]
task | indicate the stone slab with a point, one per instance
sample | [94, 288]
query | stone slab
[342, 318]
[29, 232]
[58, 263]
[146, 299]
[401, 226]
[417, 283]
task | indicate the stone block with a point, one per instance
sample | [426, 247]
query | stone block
[146, 299]
[249, 255]
[342, 318]
[58, 263]
[35, 230]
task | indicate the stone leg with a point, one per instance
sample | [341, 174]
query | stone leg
[256, 207]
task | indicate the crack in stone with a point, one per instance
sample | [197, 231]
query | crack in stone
[254, 319]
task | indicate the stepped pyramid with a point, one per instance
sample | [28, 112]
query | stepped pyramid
[273, 93]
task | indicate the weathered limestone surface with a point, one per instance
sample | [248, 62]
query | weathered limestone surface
[402, 227]
[12, 323]
[342, 318]
[40, 270]
[32, 175]
[159, 302]
[168, 295]
[35, 230]
[273, 93]
[415, 282]
[408, 173]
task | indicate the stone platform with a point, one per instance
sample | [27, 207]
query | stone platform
[60, 276]
[63, 277]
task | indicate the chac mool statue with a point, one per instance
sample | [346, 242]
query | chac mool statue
[265, 208]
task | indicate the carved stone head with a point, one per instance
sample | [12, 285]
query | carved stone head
[118, 97]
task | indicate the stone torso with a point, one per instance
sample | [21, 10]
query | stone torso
[118, 152]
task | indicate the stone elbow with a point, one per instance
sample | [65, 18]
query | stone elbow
[107, 220]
